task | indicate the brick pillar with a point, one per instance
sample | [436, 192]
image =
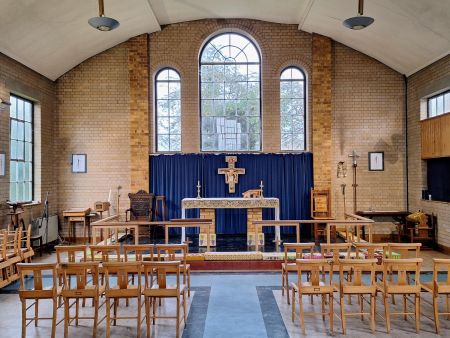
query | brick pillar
[321, 80]
[208, 214]
[253, 215]
[138, 68]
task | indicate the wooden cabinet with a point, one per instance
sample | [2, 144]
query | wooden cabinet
[436, 137]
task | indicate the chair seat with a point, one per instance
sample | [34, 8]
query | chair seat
[363, 289]
[116, 292]
[307, 288]
[90, 291]
[289, 266]
[45, 293]
[398, 289]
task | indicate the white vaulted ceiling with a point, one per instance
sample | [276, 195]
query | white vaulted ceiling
[53, 36]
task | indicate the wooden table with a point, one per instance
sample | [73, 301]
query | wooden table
[78, 215]
[259, 225]
[355, 221]
[395, 215]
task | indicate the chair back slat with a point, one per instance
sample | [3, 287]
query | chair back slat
[404, 250]
[106, 251]
[441, 265]
[140, 251]
[36, 271]
[122, 271]
[370, 250]
[335, 250]
[68, 253]
[299, 249]
[170, 251]
[81, 271]
[316, 269]
[158, 271]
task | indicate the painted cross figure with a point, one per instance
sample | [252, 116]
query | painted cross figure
[231, 173]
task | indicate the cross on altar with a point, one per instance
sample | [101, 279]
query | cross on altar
[231, 173]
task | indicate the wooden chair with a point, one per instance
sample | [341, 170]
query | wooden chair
[321, 210]
[108, 253]
[141, 207]
[335, 251]
[122, 271]
[169, 252]
[12, 253]
[156, 286]
[26, 251]
[402, 286]
[83, 289]
[69, 253]
[356, 286]
[37, 292]
[316, 285]
[403, 250]
[286, 266]
[437, 289]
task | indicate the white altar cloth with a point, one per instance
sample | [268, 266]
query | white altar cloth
[230, 203]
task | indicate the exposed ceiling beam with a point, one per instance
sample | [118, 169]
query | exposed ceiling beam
[304, 13]
[151, 13]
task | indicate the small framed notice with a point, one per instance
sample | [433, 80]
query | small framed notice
[79, 163]
[376, 161]
[2, 164]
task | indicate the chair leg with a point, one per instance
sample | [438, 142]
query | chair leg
[138, 324]
[372, 312]
[55, 307]
[293, 305]
[448, 306]
[147, 315]
[115, 310]
[405, 308]
[178, 317]
[36, 312]
[66, 318]
[323, 307]
[94, 330]
[24, 316]
[108, 317]
[436, 313]
[331, 313]
[282, 282]
[302, 320]
[417, 302]
[154, 309]
[344, 324]
[386, 313]
[361, 306]
[189, 283]
[77, 310]
[286, 277]
[184, 308]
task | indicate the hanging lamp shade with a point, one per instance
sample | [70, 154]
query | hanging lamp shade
[360, 21]
[102, 22]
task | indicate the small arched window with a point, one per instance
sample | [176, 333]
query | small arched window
[230, 104]
[168, 110]
[292, 109]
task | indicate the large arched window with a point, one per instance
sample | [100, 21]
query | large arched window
[292, 109]
[168, 110]
[230, 104]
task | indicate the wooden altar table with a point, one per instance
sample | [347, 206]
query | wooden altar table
[230, 203]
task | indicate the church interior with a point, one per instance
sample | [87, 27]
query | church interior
[252, 168]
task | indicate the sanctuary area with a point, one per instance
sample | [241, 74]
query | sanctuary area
[253, 168]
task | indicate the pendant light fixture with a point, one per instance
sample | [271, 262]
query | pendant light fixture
[102, 22]
[359, 22]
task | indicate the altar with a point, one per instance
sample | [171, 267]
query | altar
[254, 208]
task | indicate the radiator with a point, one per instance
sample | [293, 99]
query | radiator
[38, 228]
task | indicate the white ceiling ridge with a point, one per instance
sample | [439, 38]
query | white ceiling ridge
[151, 13]
[304, 14]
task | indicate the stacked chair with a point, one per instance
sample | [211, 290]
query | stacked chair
[104, 275]
[15, 247]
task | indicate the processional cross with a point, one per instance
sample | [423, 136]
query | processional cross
[231, 173]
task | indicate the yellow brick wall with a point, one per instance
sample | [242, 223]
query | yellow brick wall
[435, 76]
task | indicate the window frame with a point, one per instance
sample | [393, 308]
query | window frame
[446, 110]
[155, 83]
[200, 63]
[305, 113]
[32, 103]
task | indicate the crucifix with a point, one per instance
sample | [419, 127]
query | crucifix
[354, 157]
[231, 173]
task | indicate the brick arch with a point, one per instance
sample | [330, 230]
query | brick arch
[158, 67]
[294, 63]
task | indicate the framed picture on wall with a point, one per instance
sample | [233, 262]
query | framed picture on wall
[2, 164]
[79, 163]
[376, 161]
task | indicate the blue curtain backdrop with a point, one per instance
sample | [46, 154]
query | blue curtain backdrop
[286, 176]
